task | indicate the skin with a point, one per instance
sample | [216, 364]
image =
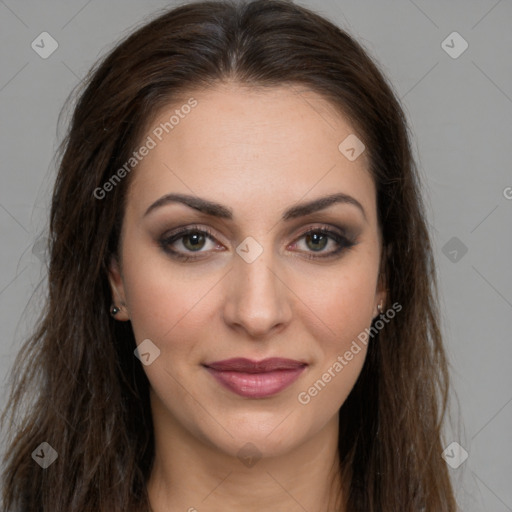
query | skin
[257, 152]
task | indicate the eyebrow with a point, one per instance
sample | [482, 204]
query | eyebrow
[218, 210]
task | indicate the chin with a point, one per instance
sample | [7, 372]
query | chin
[265, 435]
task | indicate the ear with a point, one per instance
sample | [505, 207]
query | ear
[116, 282]
[381, 294]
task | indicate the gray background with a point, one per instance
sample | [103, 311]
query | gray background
[460, 110]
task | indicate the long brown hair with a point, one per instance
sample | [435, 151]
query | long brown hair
[90, 397]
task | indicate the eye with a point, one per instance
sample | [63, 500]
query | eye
[317, 239]
[192, 239]
[183, 243]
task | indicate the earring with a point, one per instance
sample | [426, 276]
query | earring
[114, 310]
[379, 307]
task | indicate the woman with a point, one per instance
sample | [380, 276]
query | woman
[242, 307]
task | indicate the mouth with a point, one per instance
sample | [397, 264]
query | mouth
[256, 379]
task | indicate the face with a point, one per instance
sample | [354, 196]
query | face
[253, 267]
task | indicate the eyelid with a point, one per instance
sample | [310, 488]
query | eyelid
[184, 230]
[323, 227]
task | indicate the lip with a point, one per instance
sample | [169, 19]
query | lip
[256, 379]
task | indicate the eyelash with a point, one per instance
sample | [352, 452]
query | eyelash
[344, 243]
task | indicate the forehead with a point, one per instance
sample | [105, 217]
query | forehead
[250, 147]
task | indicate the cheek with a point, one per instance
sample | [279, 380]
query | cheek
[158, 295]
[342, 299]
[174, 308]
[345, 308]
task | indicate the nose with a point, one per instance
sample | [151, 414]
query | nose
[257, 299]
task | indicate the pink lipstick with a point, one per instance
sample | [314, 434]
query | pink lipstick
[256, 379]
